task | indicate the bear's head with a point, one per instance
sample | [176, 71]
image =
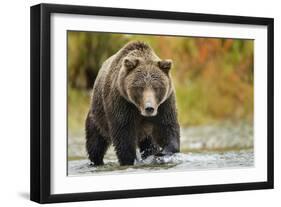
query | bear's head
[145, 83]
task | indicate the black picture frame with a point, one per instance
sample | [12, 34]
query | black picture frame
[41, 99]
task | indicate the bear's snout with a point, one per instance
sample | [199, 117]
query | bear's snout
[149, 111]
[149, 107]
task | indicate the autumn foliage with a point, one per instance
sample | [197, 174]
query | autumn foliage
[213, 77]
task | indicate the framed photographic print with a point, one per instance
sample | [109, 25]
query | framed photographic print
[132, 103]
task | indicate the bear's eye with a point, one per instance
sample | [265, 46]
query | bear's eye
[138, 88]
[157, 89]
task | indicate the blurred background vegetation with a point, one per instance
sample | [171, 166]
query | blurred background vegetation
[213, 77]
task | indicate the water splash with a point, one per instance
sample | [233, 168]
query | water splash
[178, 161]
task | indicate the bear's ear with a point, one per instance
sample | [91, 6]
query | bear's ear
[165, 65]
[131, 63]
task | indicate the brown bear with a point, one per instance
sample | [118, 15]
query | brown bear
[133, 105]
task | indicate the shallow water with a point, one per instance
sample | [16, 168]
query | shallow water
[179, 161]
[202, 148]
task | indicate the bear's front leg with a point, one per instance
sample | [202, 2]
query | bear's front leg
[171, 140]
[173, 146]
[147, 147]
[168, 127]
[124, 141]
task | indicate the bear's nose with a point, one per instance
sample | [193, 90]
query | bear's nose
[149, 110]
[148, 107]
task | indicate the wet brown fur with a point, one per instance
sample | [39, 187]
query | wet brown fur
[114, 116]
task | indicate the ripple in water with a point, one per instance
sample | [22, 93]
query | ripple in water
[178, 161]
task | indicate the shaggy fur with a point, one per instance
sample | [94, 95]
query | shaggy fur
[117, 113]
